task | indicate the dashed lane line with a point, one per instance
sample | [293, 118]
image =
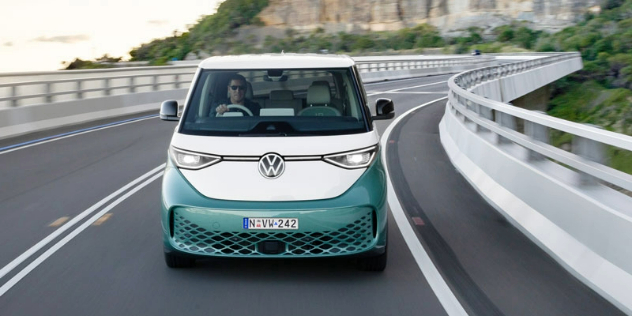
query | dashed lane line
[102, 219]
[58, 222]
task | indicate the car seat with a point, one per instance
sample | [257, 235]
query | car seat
[319, 102]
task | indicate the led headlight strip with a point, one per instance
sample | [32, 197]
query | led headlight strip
[356, 159]
[191, 160]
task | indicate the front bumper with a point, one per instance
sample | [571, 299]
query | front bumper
[353, 223]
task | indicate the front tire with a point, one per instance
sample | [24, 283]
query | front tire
[175, 261]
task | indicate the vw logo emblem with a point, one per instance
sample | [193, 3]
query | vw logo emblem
[271, 166]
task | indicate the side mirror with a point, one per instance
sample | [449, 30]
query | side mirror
[169, 111]
[384, 109]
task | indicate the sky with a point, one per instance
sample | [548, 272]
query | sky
[38, 35]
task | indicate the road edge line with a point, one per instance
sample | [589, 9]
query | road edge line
[48, 139]
[430, 272]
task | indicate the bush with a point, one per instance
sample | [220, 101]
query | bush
[611, 4]
[504, 33]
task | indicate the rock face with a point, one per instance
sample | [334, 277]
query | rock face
[447, 15]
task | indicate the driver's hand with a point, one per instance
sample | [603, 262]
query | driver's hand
[221, 109]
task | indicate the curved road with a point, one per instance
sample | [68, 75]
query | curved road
[60, 256]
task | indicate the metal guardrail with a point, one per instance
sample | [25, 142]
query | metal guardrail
[82, 84]
[103, 82]
[589, 143]
[106, 87]
[365, 65]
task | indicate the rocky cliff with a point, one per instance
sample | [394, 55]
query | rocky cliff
[447, 15]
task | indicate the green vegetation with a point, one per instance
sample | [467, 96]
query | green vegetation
[418, 37]
[600, 93]
[212, 33]
[103, 62]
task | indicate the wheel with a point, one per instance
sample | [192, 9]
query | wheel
[376, 263]
[175, 261]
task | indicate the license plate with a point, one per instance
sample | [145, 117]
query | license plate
[270, 223]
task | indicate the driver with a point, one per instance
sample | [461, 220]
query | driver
[237, 90]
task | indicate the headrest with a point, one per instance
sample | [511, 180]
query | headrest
[281, 95]
[318, 94]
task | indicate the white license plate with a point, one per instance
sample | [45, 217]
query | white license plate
[270, 223]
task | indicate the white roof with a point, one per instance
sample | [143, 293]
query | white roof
[274, 61]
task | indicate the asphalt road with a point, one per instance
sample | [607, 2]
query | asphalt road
[117, 268]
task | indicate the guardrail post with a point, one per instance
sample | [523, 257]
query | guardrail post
[79, 87]
[106, 86]
[590, 150]
[486, 113]
[539, 133]
[505, 120]
[132, 87]
[154, 81]
[177, 80]
[14, 95]
[49, 98]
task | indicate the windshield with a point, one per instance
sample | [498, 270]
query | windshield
[278, 102]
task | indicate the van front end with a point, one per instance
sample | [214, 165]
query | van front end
[354, 223]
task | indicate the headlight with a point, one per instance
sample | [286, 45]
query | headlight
[189, 160]
[354, 159]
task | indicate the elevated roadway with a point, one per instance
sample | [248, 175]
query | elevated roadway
[109, 261]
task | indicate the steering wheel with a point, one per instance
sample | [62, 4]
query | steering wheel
[237, 106]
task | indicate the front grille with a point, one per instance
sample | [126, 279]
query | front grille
[354, 237]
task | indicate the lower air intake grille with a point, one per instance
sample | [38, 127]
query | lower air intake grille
[354, 237]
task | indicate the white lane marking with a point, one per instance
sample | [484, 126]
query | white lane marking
[6, 269]
[409, 92]
[447, 299]
[71, 135]
[403, 79]
[419, 86]
[15, 279]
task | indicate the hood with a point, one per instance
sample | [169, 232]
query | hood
[310, 179]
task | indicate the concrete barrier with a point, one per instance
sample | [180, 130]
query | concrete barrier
[584, 225]
[28, 119]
